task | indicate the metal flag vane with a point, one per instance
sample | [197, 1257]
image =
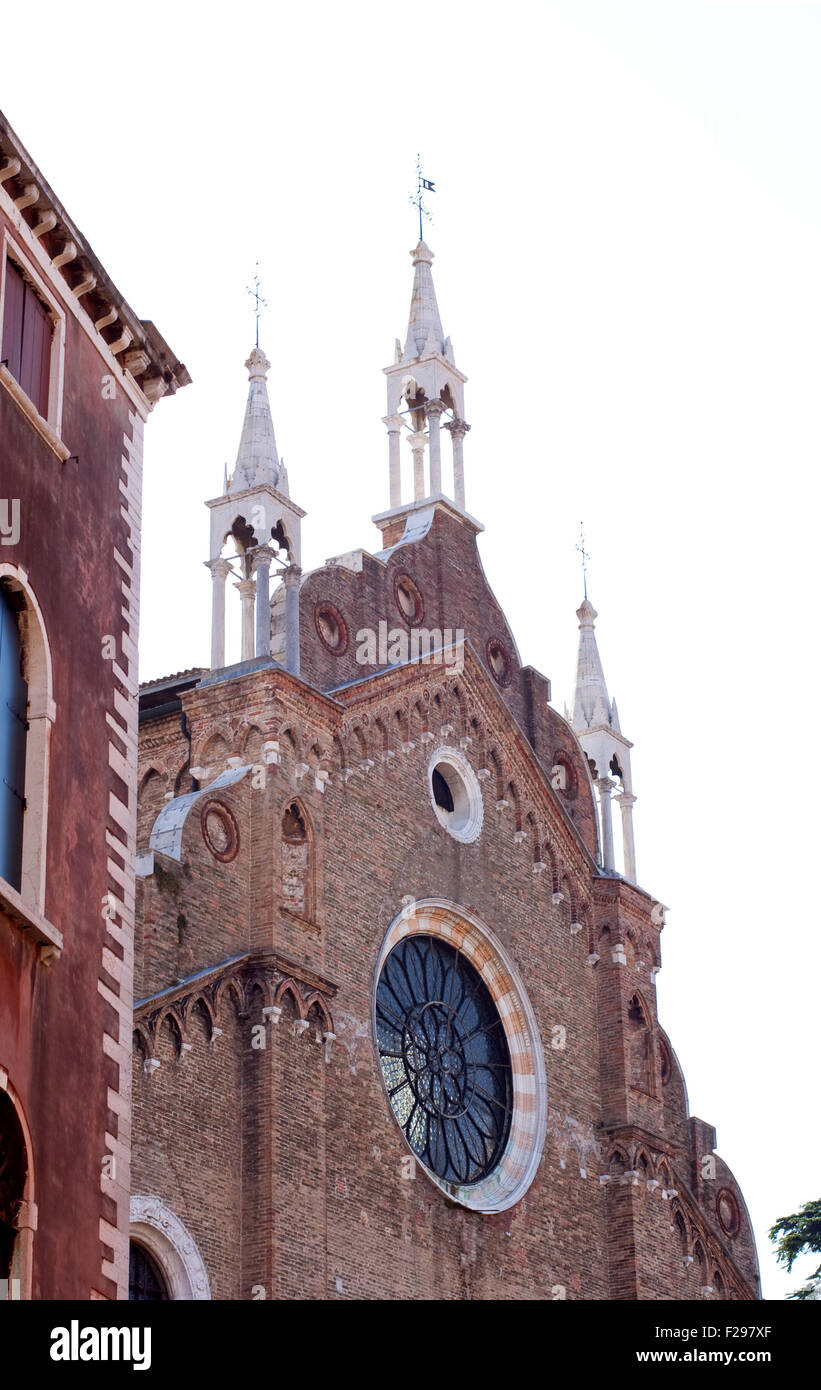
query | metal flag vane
[259, 302]
[584, 554]
[423, 185]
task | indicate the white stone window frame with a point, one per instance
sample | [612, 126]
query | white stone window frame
[41, 713]
[467, 933]
[50, 426]
[464, 823]
[159, 1230]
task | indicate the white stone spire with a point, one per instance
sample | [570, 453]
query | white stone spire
[257, 458]
[425, 396]
[258, 520]
[591, 705]
[424, 333]
[595, 722]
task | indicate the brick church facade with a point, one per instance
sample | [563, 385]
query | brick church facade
[395, 1023]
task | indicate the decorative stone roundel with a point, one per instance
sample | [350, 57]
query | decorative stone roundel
[728, 1213]
[220, 831]
[331, 627]
[408, 598]
[460, 1055]
[499, 661]
[155, 1227]
[456, 794]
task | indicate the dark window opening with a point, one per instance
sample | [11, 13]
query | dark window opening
[145, 1281]
[13, 728]
[27, 335]
[442, 794]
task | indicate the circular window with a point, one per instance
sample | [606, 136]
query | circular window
[498, 659]
[460, 1055]
[444, 1058]
[456, 794]
[331, 627]
[408, 598]
[220, 831]
[727, 1209]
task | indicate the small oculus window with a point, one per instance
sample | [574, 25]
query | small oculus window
[456, 794]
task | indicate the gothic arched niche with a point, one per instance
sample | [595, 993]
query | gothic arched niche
[296, 880]
[640, 1045]
[13, 1170]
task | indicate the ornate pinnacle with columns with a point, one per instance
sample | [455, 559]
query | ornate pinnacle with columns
[255, 511]
[424, 384]
[595, 722]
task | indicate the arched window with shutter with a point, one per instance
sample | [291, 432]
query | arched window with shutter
[27, 716]
[13, 730]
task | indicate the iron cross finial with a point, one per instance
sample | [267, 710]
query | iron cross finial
[584, 554]
[423, 185]
[259, 302]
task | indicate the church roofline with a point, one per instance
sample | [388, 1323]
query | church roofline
[475, 670]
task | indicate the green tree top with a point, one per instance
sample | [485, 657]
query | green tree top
[798, 1235]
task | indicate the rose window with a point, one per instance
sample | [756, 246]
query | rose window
[444, 1058]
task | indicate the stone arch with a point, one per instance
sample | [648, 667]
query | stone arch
[643, 1164]
[40, 717]
[169, 1028]
[151, 797]
[18, 1212]
[297, 860]
[316, 1012]
[183, 782]
[458, 709]
[640, 1044]
[617, 1163]
[215, 751]
[513, 800]
[289, 999]
[679, 1227]
[567, 886]
[156, 1227]
[417, 720]
[200, 1019]
[251, 744]
[496, 769]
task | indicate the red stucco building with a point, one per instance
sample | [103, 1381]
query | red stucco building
[79, 375]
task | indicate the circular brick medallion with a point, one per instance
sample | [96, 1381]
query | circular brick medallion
[331, 627]
[220, 831]
[408, 598]
[728, 1213]
[499, 660]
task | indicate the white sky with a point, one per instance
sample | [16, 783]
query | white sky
[627, 232]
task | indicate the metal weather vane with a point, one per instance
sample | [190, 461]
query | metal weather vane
[423, 185]
[259, 302]
[584, 554]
